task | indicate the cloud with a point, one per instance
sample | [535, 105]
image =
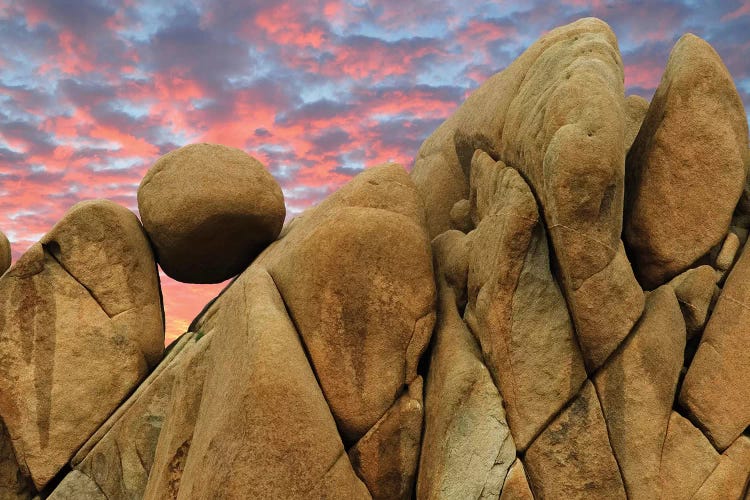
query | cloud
[93, 92]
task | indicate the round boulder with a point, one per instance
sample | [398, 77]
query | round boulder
[4, 253]
[209, 211]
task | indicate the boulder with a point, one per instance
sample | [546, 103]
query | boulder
[516, 485]
[209, 211]
[467, 448]
[263, 429]
[687, 459]
[5, 255]
[715, 391]
[687, 167]
[730, 477]
[515, 307]
[725, 257]
[119, 456]
[386, 457]
[636, 388]
[572, 457]
[80, 325]
[695, 290]
[366, 309]
[635, 111]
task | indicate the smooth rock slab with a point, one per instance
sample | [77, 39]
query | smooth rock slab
[80, 325]
[516, 485]
[572, 458]
[715, 391]
[637, 387]
[467, 447]
[515, 307]
[687, 167]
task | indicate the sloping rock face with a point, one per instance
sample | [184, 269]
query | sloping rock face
[80, 325]
[471, 330]
[688, 165]
[571, 150]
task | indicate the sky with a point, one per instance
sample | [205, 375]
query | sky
[93, 92]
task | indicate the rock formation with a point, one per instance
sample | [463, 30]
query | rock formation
[209, 210]
[473, 329]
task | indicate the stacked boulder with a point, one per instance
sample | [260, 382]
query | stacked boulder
[553, 304]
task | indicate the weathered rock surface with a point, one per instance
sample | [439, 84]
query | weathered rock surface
[209, 210]
[119, 456]
[386, 457]
[77, 486]
[13, 485]
[635, 111]
[516, 485]
[261, 402]
[5, 255]
[515, 307]
[637, 387]
[467, 447]
[366, 309]
[695, 290]
[571, 150]
[80, 325]
[693, 144]
[572, 457]
[687, 459]
[715, 390]
[729, 248]
[730, 477]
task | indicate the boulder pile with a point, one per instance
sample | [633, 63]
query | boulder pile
[553, 304]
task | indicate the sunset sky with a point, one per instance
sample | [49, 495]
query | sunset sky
[93, 92]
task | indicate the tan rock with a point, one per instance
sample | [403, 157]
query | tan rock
[366, 309]
[693, 144]
[461, 216]
[573, 160]
[515, 307]
[209, 210]
[13, 485]
[467, 447]
[80, 325]
[516, 485]
[178, 427]
[695, 289]
[386, 457]
[728, 252]
[572, 457]
[636, 388]
[635, 111]
[451, 250]
[715, 390]
[571, 151]
[119, 457]
[730, 477]
[5, 255]
[686, 460]
[264, 429]
[77, 486]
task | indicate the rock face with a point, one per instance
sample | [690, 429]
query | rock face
[715, 390]
[637, 390]
[693, 146]
[5, 255]
[515, 307]
[209, 210]
[467, 446]
[80, 325]
[471, 330]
